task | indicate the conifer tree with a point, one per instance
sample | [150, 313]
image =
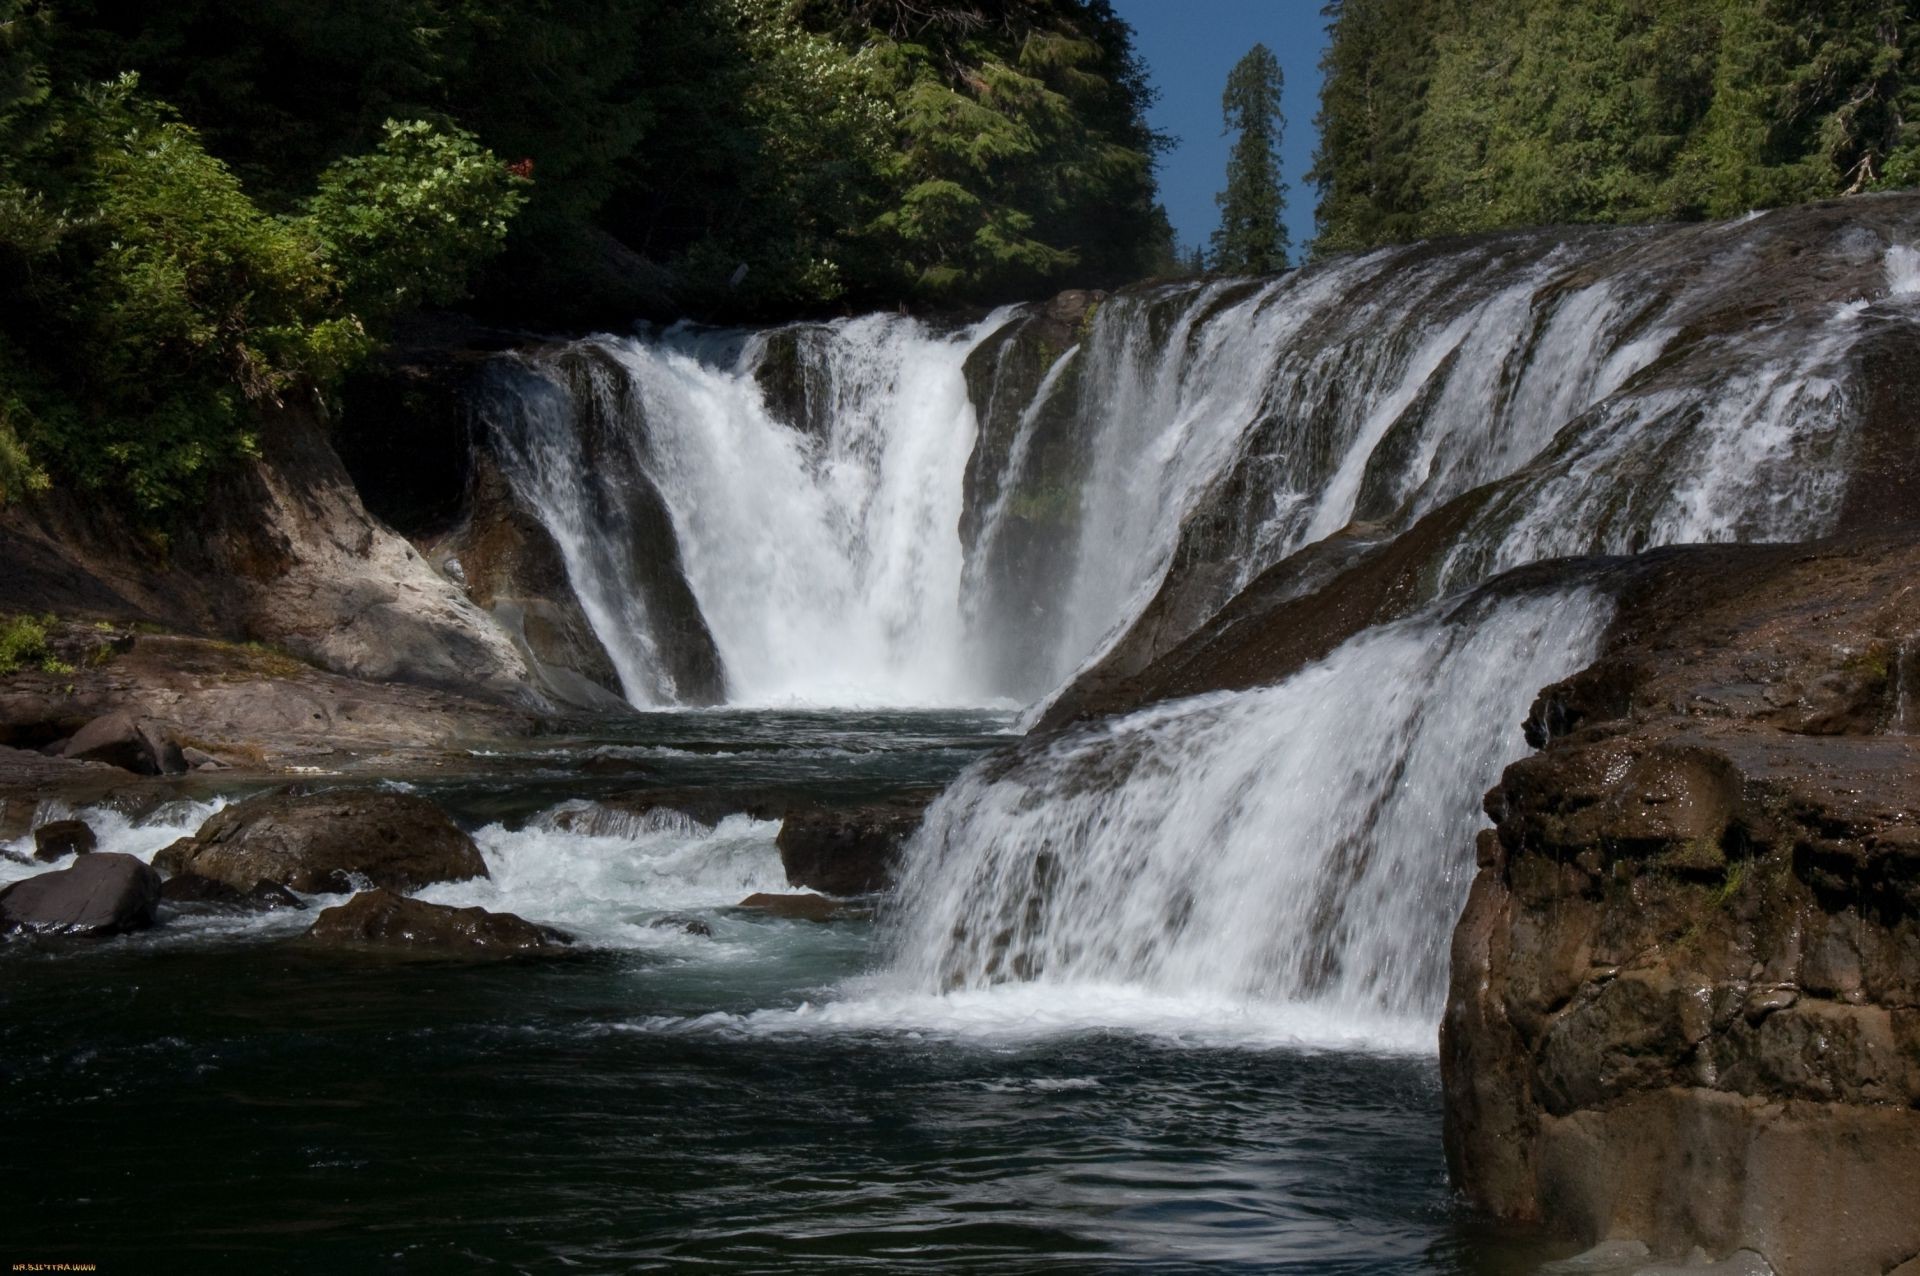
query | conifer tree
[1252, 238]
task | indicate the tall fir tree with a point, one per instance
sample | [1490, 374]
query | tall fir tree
[1252, 238]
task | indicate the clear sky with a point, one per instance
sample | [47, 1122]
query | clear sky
[1189, 46]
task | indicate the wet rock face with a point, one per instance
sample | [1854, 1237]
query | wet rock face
[381, 919]
[510, 566]
[1020, 514]
[849, 850]
[328, 842]
[1685, 998]
[102, 894]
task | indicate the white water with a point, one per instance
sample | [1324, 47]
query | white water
[1231, 423]
[1299, 851]
[828, 567]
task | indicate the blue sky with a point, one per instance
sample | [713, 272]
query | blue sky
[1189, 46]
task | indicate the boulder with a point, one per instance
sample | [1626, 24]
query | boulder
[58, 839]
[132, 744]
[382, 919]
[330, 842]
[102, 894]
[193, 889]
[849, 850]
[804, 908]
[172, 858]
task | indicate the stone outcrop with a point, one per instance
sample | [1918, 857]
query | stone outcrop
[1020, 511]
[281, 551]
[328, 842]
[57, 839]
[850, 850]
[383, 920]
[1685, 997]
[105, 893]
[234, 705]
[508, 564]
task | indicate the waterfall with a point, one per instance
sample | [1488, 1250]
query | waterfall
[1306, 843]
[824, 552]
[878, 511]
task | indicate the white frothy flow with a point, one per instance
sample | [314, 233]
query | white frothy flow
[1903, 270]
[1022, 1014]
[826, 563]
[142, 835]
[606, 876]
[1292, 857]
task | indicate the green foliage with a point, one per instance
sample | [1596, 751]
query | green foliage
[1252, 239]
[150, 322]
[408, 223]
[23, 643]
[1448, 116]
[181, 251]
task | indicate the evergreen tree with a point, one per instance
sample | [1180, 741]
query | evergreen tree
[1452, 116]
[1252, 238]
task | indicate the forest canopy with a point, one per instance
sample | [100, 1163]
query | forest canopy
[206, 205]
[1448, 116]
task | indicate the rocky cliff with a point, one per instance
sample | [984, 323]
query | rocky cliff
[1685, 996]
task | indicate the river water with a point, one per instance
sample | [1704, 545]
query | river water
[767, 1098]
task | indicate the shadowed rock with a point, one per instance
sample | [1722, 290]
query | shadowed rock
[192, 889]
[1683, 988]
[329, 842]
[60, 838]
[105, 893]
[849, 850]
[381, 919]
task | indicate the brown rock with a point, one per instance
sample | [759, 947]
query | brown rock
[382, 919]
[849, 850]
[805, 908]
[105, 893]
[191, 888]
[1681, 1003]
[325, 841]
[58, 839]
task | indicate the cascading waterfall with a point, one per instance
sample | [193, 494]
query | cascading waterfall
[1310, 842]
[818, 479]
[827, 562]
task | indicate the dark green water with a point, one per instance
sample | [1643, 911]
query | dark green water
[204, 1098]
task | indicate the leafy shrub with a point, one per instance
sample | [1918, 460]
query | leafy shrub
[23, 641]
[409, 223]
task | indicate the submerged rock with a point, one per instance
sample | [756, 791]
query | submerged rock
[105, 893]
[805, 908]
[683, 923]
[329, 842]
[193, 889]
[383, 919]
[58, 839]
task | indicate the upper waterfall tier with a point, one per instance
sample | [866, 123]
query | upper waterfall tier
[878, 511]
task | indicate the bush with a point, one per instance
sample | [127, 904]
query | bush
[409, 223]
[23, 641]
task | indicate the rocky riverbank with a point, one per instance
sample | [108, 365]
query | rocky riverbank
[1685, 1002]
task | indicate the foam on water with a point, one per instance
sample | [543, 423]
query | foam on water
[142, 836]
[1294, 856]
[605, 876]
[1017, 1014]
